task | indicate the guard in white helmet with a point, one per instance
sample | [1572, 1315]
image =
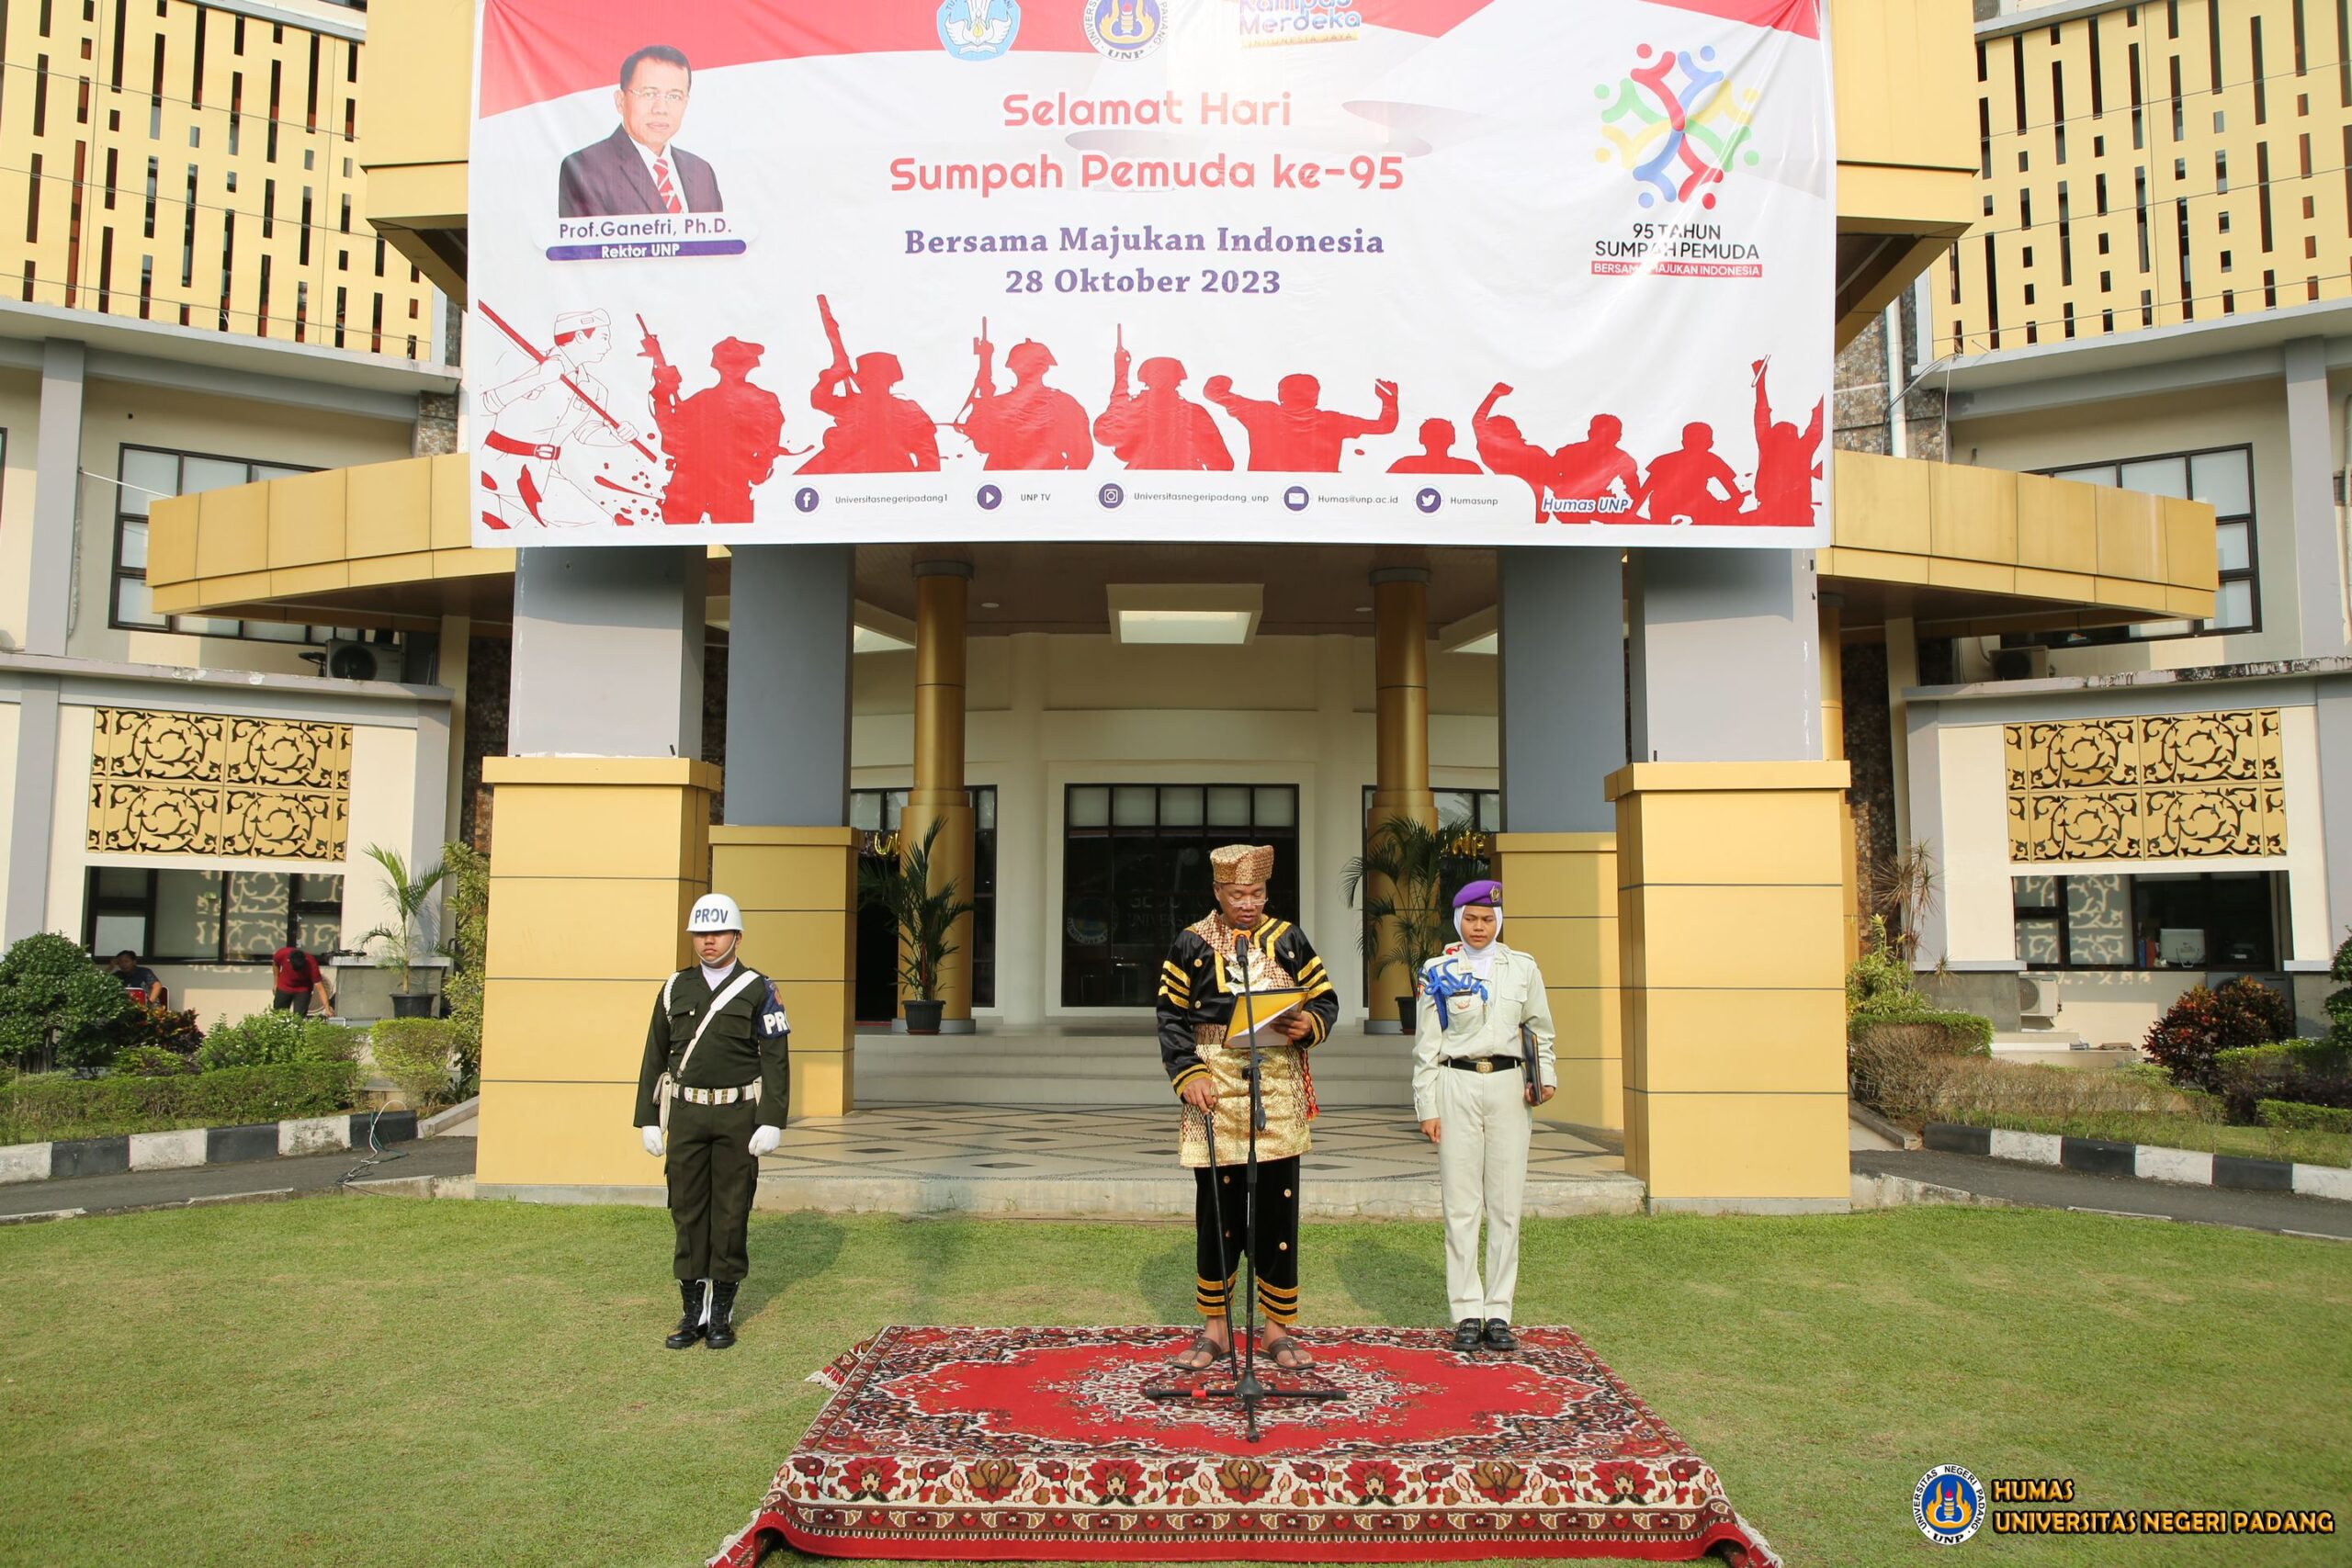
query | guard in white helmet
[712, 1096]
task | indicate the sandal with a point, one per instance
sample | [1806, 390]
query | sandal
[1202, 1344]
[1285, 1353]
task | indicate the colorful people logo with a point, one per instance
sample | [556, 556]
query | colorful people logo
[1125, 29]
[1677, 140]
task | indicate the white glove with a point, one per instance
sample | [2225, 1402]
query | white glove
[653, 1141]
[765, 1140]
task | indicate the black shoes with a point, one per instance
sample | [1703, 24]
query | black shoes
[1498, 1336]
[1467, 1337]
[722, 1332]
[689, 1329]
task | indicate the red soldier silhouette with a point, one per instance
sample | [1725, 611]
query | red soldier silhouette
[1436, 456]
[1031, 426]
[722, 441]
[874, 432]
[1785, 465]
[1506, 451]
[1677, 489]
[1158, 428]
[1293, 434]
[1586, 471]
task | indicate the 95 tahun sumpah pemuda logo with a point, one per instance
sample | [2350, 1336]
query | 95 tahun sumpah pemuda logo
[1948, 1504]
[1677, 138]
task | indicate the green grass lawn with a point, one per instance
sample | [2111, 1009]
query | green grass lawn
[387, 1381]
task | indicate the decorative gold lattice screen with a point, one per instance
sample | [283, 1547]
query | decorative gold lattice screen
[2174, 786]
[201, 784]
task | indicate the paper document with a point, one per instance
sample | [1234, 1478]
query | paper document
[1253, 1012]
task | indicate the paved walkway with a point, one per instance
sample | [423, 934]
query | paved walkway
[1122, 1160]
[2049, 1187]
[245, 1180]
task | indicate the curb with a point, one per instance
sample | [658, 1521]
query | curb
[202, 1145]
[2148, 1162]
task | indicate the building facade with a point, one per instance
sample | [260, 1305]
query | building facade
[2156, 298]
[196, 301]
[1684, 765]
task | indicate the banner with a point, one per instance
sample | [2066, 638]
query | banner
[1476, 272]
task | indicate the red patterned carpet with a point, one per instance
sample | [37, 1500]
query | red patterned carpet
[1038, 1443]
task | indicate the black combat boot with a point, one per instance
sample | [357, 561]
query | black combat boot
[722, 1332]
[689, 1327]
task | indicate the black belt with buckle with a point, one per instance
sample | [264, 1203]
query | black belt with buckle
[1485, 1063]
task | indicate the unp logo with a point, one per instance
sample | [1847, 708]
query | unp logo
[1125, 29]
[1675, 138]
[1948, 1504]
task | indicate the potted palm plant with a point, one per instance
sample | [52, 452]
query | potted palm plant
[405, 938]
[1400, 875]
[923, 915]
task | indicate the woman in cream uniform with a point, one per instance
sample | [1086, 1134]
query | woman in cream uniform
[1471, 1092]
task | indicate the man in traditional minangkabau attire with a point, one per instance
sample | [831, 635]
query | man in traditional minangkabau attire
[1197, 986]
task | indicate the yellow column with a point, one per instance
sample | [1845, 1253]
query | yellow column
[1560, 908]
[1729, 907]
[1400, 609]
[1833, 749]
[939, 795]
[596, 862]
[797, 889]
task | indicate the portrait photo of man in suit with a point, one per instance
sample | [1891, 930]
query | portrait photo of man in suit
[638, 168]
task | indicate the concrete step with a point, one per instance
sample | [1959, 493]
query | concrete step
[1094, 1069]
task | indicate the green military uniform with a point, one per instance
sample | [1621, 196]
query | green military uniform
[735, 1080]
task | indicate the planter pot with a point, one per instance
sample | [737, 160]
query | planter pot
[417, 1006]
[1406, 1018]
[923, 1018]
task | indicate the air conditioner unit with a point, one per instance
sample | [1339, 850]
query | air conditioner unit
[2038, 1001]
[360, 662]
[2021, 663]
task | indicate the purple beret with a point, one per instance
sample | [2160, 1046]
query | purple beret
[1488, 893]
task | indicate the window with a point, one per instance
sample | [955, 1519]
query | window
[875, 813]
[2191, 920]
[209, 917]
[1135, 872]
[147, 474]
[2223, 479]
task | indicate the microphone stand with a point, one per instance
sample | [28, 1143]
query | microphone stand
[1246, 1391]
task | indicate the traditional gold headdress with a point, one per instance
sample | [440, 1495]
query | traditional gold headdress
[1242, 862]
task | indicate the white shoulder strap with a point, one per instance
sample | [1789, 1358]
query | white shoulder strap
[735, 988]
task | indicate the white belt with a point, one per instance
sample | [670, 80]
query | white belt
[715, 1096]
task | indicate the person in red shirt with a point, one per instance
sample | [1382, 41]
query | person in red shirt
[296, 979]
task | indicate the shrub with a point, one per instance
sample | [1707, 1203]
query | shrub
[466, 907]
[2203, 1023]
[416, 1054]
[54, 1105]
[1957, 1033]
[151, 1062]
[273, 1038]
[1879, 986]
[143, 1024]
[1926, 1084]
[2339, 1001]
[57, 1008]
[2298, 1118]
[2310, 1072]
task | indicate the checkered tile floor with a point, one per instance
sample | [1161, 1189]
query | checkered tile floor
[984, 1141]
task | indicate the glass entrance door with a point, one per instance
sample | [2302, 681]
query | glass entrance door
[1135, 872]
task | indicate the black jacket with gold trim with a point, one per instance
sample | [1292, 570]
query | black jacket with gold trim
[1195, 990]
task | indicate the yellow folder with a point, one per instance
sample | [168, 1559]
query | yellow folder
[1255, 1010]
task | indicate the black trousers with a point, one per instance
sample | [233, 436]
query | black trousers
[712, 1175]
[1219, 1203]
